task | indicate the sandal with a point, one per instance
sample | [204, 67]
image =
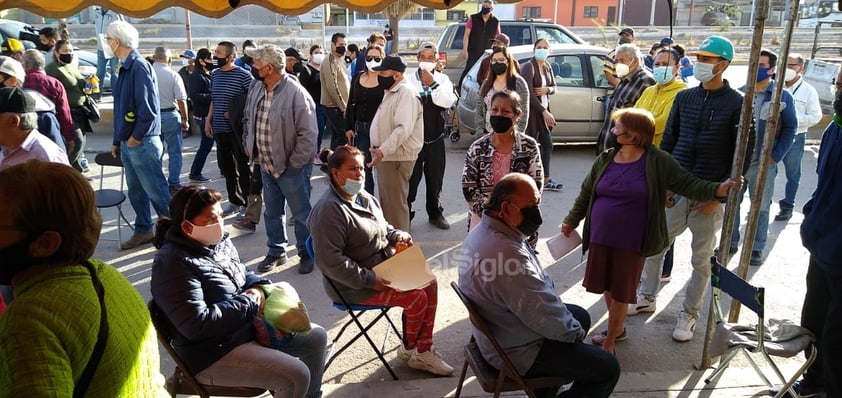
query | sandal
[600, 338]
[552, 186]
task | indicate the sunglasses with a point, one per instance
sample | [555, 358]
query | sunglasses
[375, 59]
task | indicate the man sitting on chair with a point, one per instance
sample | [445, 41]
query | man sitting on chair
[501, 275]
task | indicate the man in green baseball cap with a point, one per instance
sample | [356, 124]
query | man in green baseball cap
[716, 46]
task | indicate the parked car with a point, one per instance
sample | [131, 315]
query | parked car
[18, 30]
[87, 66]
[577, 104]
[523, 32]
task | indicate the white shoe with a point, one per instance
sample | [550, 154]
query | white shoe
[684, 327]
[430, 361]
[405, 354]
[644, 304]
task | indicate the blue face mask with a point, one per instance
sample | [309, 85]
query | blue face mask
[762, 73]
[353, 187]
[663, 74]
[542, 54]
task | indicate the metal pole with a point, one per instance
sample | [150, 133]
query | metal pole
[690, 13]
[739, 159]
[187, 27]
[555, 12]
[652, 13]
[621, 12]
[325, 13]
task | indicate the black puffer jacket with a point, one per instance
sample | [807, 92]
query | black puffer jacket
[199, 289]
[702, 130]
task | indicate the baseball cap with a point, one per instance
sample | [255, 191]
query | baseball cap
[12, 67]
[627, 30]
[428, 45]
[11, 46]
[666, 41]
[502, 38]
[293, 52]
[14, 100]
[716, 46]
[189, 54]
[392, 63]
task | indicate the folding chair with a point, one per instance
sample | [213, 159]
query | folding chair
[754, 338]
[355, 311]
[182, 381]
[106, 198]
[491, 379]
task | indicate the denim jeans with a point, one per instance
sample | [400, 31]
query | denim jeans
[101, 63]
[363, 142]
[145, 181]
[292, 186]
[822, 315]
[594, 371]
[766, 201]
[293, 371]
[205, 146]
[171, 135]
[320, 121]
[792, 166]
[336, 126]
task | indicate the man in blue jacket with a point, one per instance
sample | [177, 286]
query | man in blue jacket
[821, 233]
[787, 124]
[137, 131]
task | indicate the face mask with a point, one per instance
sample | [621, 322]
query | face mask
[532, 220]
[501, 124]
[248, 60]
[498, 69]
[353, 187]
[348, 59]
[703, 72]
[318, 58]
[387, 82]
[209, 65]
[624, 40]
[297, 68]
[65, 58]
[14, 259]
[220, 62]
[621, 69]
[207, 235]
[790, 75]
[340, 50]
[106, 46]
[662, 74]
[762, 74]
[255, 73]
[485, 11]
[372, 64]
[43, 47]
[542, 54]
[427, 66]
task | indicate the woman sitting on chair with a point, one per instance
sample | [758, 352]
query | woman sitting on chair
[351, 236]
[210, 298]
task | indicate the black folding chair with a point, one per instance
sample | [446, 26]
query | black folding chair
[106, 198]
[355, 311]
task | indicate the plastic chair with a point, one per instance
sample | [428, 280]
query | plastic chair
[182, 381]
[355, 311]
[752, 297]
[491, 379]
[106, 198]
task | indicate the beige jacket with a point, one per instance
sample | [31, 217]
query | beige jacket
[335, 84]
[398, 126]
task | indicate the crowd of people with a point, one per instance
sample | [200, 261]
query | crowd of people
[665, 167]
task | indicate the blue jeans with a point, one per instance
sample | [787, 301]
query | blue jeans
[293, 186]
[205, 146]
[792, 166]
[822, 315]
[766, 201]
[101, 63]
[145, 181]
[320, 121]
[363, 142]
[171, 134]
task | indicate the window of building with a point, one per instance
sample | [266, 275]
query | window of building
[532, 12]
[455, 15]
[422, 14]
[591, 11]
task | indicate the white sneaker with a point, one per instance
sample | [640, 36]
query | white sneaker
[404, 353]
[644, 304]
[430, 361]
[684, 327]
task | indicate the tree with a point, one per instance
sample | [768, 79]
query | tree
[395, 12]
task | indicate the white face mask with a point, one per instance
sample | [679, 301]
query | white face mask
[318, 58]
[372, 64]
[106, 47]
[621, 69]
[207, 235]
[427, 66]
[790, 74]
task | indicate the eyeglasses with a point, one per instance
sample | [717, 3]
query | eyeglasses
[375, 59]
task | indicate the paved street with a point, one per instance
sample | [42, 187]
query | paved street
[653, 364]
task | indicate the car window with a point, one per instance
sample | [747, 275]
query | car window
[599, 76]
[567, 70]
[456, 43]
[553, 35]
[518, 34]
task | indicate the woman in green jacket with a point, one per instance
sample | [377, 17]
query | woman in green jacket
[64, 68]
[622, 201]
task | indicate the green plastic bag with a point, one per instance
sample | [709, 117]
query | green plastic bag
[284, 309]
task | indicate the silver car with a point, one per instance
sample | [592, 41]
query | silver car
[577, 103]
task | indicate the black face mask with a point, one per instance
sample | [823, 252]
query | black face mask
[501, 124]
[255, 73]
[340, 50]
[485, 11]
[14, 259]
[220, 62]
[498, 69]
[387, 82]
[348, 59]
[248, 60]
[207, 65]
[298, 68]
[532, 220]
[65, 58]
[43, 47]
[837, 103]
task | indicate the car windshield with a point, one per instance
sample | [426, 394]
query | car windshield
[553, 35]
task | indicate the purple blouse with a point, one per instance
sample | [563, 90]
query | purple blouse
[618, 215]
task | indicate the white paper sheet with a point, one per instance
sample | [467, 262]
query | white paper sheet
[407, 270]
[560, 246]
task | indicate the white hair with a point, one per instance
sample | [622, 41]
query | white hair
[28, 121]
[125, 33]
[269, 54]
[33, 60]
[631, 50]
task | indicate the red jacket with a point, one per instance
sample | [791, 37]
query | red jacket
[51, 88]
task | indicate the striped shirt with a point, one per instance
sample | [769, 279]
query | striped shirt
[225, 85]
[170, 86]
[263, 132]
